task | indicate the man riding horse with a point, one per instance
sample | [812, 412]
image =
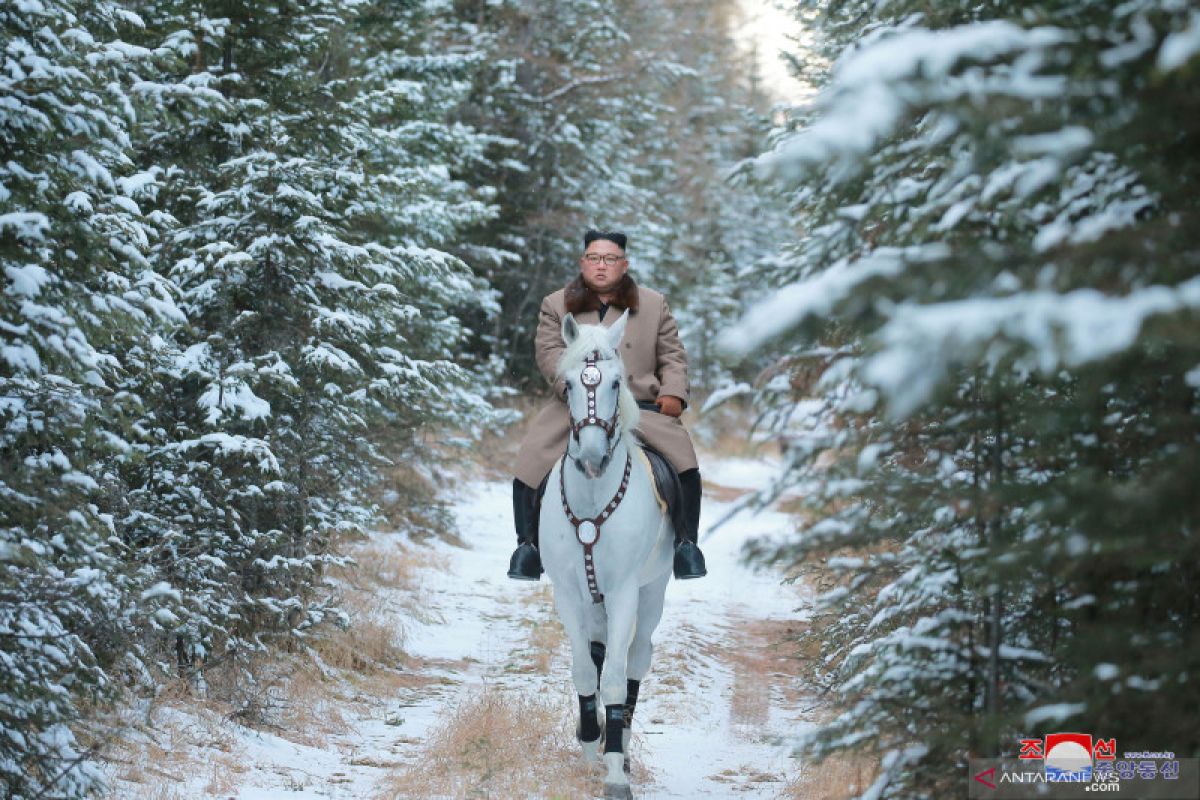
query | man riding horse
[657, 375]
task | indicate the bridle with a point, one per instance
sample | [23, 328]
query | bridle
[587, 531]
[591, 377]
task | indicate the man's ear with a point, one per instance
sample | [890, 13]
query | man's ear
[617, 331]
[570, 328]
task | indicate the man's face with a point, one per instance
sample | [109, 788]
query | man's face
[602, 276]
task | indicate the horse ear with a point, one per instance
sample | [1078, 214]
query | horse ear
[617, 330]
[570, 328]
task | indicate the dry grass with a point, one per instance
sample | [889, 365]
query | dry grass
[546, 649]
[305, 709]
[371, 643]
[152, 761]
[156, 768]
[499, 744]
[768, 658]
[764, 661]
[407, 500]
[367, 658]
[836, 778]
[546, 641]
[382, 566]
[383, 569]
[303, 695]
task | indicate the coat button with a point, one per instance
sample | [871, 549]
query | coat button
[628, 345]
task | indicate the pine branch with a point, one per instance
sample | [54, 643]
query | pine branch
[591, 80]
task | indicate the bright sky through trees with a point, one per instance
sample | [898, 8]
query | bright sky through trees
[766, 31]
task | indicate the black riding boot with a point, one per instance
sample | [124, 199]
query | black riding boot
[526, 563]
[689, 561]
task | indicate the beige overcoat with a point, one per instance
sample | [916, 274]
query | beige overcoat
[655, 363]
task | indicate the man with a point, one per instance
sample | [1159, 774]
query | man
[657, 375]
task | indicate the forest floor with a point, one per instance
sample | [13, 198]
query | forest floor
[455, 681]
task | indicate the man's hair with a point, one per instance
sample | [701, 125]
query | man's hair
[615, 237]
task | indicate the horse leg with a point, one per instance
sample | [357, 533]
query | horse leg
[622, 619]
[598, 630]
[597, 650]
[651, 598]
[583, 674]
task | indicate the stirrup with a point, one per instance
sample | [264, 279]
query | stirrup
[525, 564]
[689, 561]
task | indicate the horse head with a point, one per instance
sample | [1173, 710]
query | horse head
[603, 411]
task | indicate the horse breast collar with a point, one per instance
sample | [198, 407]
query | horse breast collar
[587, 531]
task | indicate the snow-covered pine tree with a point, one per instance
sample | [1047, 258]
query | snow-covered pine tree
[78, 293]
[413, 73]
[620, 115]
[712, 221]
[311, 205]
[413, 70]
[561, 86]
[1001, 274]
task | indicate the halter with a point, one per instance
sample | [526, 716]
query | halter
[591, 377]
[587, 531]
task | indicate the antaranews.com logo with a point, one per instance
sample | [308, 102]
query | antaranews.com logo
[1078, 765]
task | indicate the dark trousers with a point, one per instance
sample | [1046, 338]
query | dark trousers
[689, 484]
[527, 505]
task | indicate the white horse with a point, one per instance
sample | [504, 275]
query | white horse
[606, 543]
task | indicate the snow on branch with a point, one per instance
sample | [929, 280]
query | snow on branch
[817, 296]
[921, 342]
[862, 106]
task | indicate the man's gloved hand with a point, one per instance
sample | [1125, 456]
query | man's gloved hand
[670, 405]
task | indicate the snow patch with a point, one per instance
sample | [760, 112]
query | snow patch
[1180, 47]
[1053, 713]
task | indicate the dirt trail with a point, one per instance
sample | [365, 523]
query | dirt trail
[482, 704]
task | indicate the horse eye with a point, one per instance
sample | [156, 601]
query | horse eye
[616, 384]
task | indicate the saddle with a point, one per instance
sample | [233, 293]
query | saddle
[666, 483]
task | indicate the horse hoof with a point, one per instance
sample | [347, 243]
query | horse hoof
[617, 791]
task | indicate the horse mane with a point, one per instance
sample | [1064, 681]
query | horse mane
[595, 337]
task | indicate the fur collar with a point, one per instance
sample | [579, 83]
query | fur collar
[580, 298]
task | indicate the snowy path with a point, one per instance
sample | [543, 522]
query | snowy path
[711, 714]
[700, 730]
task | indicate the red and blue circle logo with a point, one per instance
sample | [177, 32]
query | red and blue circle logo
[1068, 756]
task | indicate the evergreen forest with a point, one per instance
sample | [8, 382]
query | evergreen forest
[261, 257]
